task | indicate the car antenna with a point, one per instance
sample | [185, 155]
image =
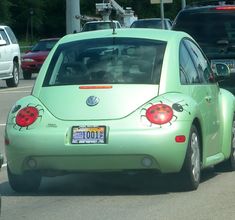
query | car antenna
[113, 26]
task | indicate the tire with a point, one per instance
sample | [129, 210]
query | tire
[27, 75]
[14, 81]
[27, 182]
[229, 164]
[191, 171]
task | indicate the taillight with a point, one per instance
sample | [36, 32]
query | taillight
[225, 8]
[180, 139]
[26, 116]
[159, 114]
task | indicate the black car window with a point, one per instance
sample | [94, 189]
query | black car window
[215, 25]
[188, 72]
[106, 61]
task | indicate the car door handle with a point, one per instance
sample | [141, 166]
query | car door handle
[208, 98]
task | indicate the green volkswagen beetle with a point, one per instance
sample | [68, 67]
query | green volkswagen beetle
[122, 100]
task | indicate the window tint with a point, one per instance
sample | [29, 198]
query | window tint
[214, 25]
[188, 72]
[200, 61]
[106, 61]
[45, 45]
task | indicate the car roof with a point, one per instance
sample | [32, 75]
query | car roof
[207, 5]
[89, 22]
[145, 33]
[3, 26]
[50, 39]
[151, 19]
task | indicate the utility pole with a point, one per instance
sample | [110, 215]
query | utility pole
[183, 4]
[73, 16]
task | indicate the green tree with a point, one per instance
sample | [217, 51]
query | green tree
[5, 16]
[27, 17]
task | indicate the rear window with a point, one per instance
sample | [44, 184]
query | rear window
[147, 24]
[106, 61]
[99, 26]
[208, 27]
[45, 45]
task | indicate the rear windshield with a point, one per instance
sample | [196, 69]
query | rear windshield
[99, 26]
[209, 27]
[106, 61]
[44, 45]
[147, 24]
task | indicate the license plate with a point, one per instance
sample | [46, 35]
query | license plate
[88, 135]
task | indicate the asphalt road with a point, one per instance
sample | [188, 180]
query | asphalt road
[113, 196]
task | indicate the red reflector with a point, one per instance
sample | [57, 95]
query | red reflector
[159, 114]
[95, 87]
[225, 8]
[26, 116]
[180, 139]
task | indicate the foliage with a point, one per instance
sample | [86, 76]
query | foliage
[5, 16]
[34, 19]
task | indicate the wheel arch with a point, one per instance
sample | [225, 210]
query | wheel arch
[197, 123]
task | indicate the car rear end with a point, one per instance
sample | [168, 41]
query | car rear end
[96, 107]
[213, 27]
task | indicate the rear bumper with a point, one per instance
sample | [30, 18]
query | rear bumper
[147, 149]
[31, 67]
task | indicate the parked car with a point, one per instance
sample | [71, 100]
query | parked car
[9, 56]
[133, 100]
[213, 27]
[152, 23]
[33, 59]
[100, 25]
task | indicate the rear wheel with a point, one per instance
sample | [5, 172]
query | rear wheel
[14, 81]
[27, 182]
[27, 75]
[191, 171]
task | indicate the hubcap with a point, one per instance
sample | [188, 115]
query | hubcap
[16, 75]
[195, 157]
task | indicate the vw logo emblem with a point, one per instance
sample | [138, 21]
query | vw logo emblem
[92, 101]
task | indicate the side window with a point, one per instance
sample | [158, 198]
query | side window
[201, 63]
[4, 36]
[188, 72]
[11, 35]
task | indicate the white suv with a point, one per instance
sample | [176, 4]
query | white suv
[9, 57]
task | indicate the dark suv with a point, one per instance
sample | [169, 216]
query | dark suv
[212, 24]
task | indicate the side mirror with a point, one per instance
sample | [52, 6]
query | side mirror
[222, 71]
[3, 42]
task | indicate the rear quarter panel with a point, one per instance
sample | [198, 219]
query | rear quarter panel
[227, 109]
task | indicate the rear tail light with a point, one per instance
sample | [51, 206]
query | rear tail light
[159, 114]
[27, 116]
[225, 8]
